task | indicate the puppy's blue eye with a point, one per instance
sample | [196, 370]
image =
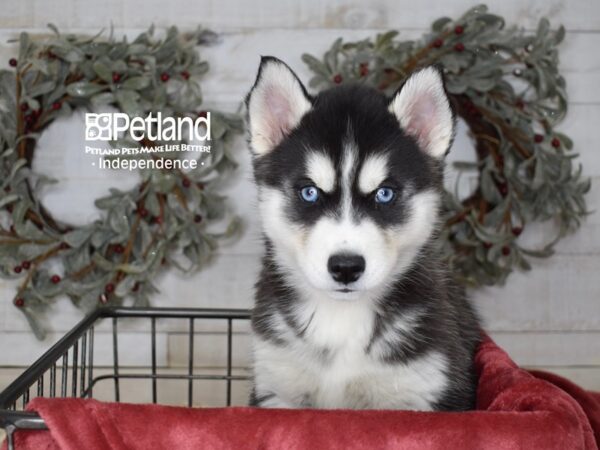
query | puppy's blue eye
[309, 194]
[384, 195]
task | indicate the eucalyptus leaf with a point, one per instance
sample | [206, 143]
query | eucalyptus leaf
[78, 236]
[84, 89]
[136, 83]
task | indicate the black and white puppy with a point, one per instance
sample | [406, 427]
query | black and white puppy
[354, 307]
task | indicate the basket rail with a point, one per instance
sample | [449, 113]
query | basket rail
[21, 419]
[39, 367]
[16, 389]
[12, 420]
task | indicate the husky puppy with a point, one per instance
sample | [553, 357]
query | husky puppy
[354, 306]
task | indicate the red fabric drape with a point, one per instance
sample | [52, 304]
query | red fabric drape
[516, 410]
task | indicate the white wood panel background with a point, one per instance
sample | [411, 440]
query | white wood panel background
[547, 318]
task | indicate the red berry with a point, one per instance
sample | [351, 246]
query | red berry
[520, 104]
[337, 79]
[29, 119]
[555, 142]
[538, 138]
[364, 69]
[158, 220]
[164, 77]
[197, 218]
[438, 43]
[506, 250]
[119, 248]
[142, 211]
[109, 288]
[56, 106]
[24, 106]
[487, 245]
[459, 47]
[19, 302]
[185, 74]
[12, 62]
[116, 77]
[26, 265]
[517, 231]
[459, 29]
[18, 269]
[55, 279]
[186, 182]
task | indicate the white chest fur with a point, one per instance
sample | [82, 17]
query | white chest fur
[328, 367]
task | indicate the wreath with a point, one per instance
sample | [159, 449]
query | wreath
[505, 85]
[168, 219]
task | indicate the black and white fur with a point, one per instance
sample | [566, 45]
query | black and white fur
[394, 330]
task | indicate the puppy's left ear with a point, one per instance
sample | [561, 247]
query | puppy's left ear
[423, 110]
[275, 105]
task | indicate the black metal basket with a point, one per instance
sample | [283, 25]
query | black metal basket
[77, 349]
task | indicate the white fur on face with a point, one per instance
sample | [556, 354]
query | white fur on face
[373, 172]
[348, 164]
[423, 110]
[275, 106]
[388, 253]
[320, 169]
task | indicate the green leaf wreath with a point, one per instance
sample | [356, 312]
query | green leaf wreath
[505, 84]
[165, 220]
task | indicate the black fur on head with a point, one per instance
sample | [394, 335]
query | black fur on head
[352, 114]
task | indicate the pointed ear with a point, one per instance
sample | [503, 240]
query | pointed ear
[423, 110]
[275, 105]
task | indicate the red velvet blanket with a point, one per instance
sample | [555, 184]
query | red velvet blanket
[516, 409]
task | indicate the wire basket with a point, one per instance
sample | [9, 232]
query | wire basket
[68, 368]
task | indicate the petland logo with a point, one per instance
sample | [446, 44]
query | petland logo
[109, 126]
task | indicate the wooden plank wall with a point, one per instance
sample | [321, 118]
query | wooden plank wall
[548, 318]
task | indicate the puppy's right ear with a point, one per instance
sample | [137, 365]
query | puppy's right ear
[423, 110]
[276, 104]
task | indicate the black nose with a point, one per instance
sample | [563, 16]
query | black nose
[346, 267]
